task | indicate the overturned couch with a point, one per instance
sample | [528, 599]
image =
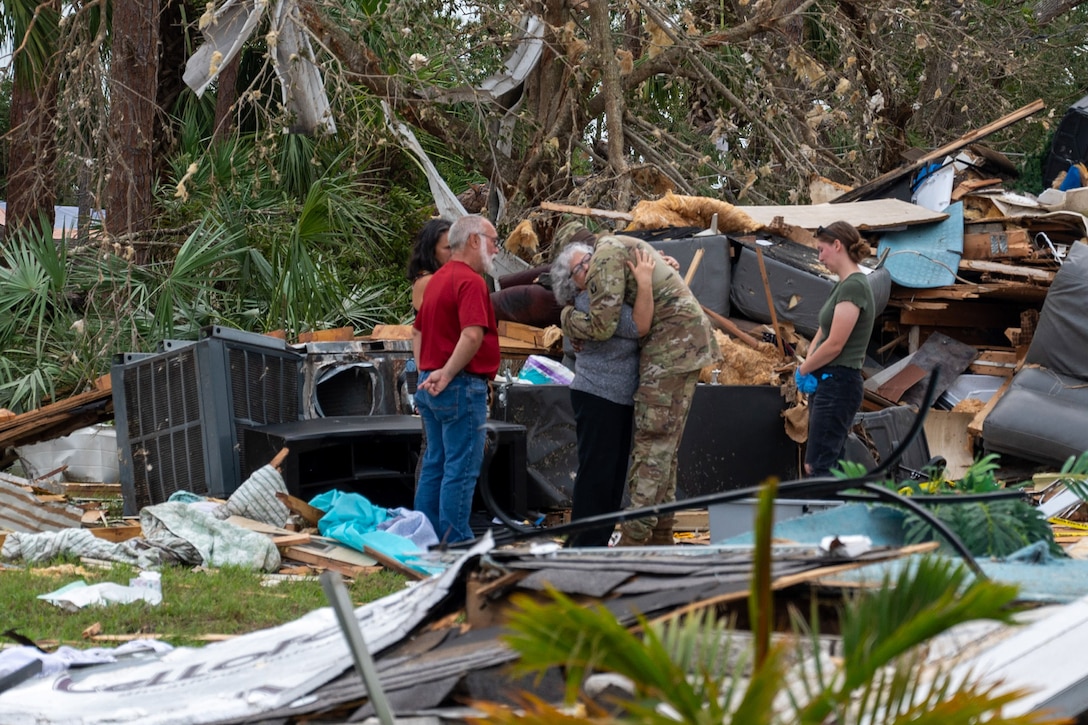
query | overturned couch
[1043, 416]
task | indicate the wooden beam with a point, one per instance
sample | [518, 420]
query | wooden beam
[885, 180]
[586, 211]
[978, 265]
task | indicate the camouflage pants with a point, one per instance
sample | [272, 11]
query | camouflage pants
[661, 410]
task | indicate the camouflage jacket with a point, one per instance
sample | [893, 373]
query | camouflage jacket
[680, 338]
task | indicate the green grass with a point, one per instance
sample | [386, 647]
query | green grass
[196, 603]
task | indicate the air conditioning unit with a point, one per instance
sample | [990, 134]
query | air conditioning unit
[179, 412]
[352, 378]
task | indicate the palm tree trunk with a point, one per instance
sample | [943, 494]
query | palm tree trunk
[133, 90]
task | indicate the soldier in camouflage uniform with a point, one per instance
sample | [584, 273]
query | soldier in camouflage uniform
[679, 344]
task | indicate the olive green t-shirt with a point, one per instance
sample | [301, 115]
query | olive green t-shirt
[855, 289]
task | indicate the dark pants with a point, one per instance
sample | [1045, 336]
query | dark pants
[604, 450]
[831, 411]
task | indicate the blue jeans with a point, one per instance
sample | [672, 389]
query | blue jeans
[455, 424]
[831, 411]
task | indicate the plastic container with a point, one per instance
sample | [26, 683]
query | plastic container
[541, 370]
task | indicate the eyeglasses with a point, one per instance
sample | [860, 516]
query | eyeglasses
[582, 265]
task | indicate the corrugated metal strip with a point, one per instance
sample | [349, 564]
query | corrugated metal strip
[23, 512]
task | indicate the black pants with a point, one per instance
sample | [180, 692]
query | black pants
[604, 450]
[831, 411]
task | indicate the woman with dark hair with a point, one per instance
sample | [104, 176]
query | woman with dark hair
[430, 251]
[831, 374]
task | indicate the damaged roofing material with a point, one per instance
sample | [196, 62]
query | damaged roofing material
[236, 680]
[227, 29]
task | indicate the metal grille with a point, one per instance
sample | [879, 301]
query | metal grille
[164, 427]
[264, 389]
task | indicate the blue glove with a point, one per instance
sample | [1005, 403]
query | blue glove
[805, 383]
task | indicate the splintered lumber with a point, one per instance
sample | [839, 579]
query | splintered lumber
[885, 180]
[535, 336]
[59, 419]
[117, 534]
[310, 514]
[694, 266]
[770, 301]
[975, 426]
[288, 540]
[337, 334]
[391, 332]
[728, 326]
[978, 265]
[585, 211]
[390, 563]
[994, 362]
[794, 233]
[325, 554]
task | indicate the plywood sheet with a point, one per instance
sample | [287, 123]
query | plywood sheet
[874, 214]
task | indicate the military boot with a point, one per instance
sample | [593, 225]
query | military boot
[627, 540]
[662, 533]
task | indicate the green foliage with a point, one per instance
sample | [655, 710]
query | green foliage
[995, 528]
[695, 669]
[196, 603]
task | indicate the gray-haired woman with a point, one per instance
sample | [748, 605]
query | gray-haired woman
[602, 394]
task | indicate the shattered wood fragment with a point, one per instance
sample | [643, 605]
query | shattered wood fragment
[310, 514]
[118, 533]
[337, 334]
[57, 419]
[884, 181]
[585, 211]
[966, 187]
[977, 265]
[994, 362]
[391, 332]
[288, 540]
[975, 426]
[390, 563]
[779, 227]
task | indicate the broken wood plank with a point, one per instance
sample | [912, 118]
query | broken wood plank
[975, 426]
[57, 419]
[288, 540]
[995, 362]
[586, 211]
[885, 180]
[730, 327]
[310, 514]
[390, 563]
[966, 187]
[978, 265]
[391, 332]
[794, 233]
[336, 334]
[326, 554]
[522, 333]
[117, 534]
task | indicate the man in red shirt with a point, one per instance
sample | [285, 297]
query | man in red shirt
[456, 341]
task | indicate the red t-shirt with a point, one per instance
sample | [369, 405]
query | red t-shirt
[457, 298]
